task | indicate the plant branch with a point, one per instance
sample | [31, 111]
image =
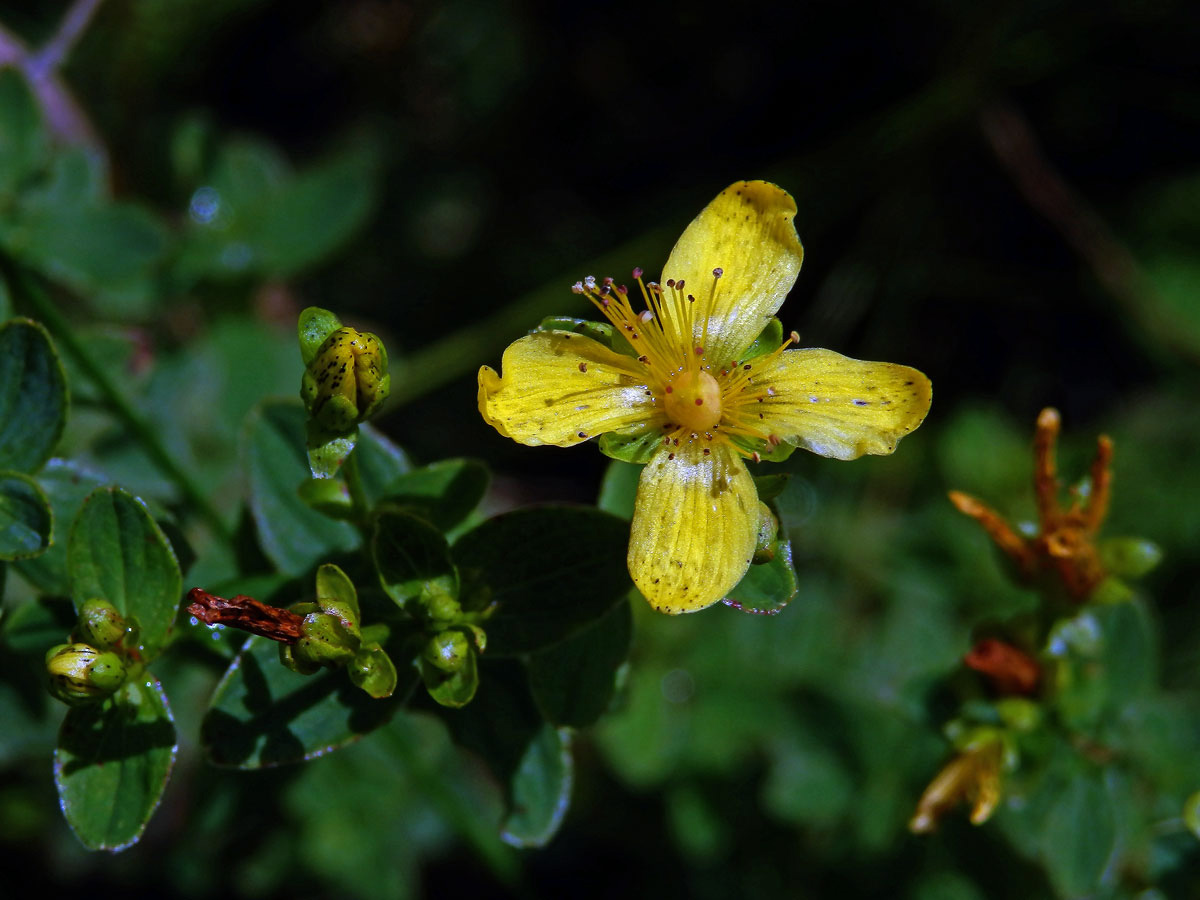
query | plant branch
[120, 406]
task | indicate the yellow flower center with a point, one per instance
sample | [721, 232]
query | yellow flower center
[698, 399]
[693, 400]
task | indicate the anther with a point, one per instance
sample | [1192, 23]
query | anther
[583, 434]
[577, 287]
[699, 351]
[795, 336]
[637, 272]
[756, 456]
[773, 439]
[644, 359]
[707, 451]
[590, 281]
[607, 281]
[679, 285]
[718, 272]
[621, 289]
[670, 389]
[746, 367]
[583, 367]
[670, 282]
[645, 315]
[691, 299]
[699, 401]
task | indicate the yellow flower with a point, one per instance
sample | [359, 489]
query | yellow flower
[692, 380]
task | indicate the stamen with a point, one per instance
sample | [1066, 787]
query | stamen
[583, 367]
[718, 272]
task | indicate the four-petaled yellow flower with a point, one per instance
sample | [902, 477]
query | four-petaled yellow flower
[692, 380]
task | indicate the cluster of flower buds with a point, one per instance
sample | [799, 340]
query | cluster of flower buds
[97, 660]
[449, 658]
[330, 636]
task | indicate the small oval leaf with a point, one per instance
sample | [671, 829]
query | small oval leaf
[25, 517]
[117, 552]
[112, 764]
[33, 396]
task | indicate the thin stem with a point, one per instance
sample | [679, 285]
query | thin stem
[120, 406]
[354, 484]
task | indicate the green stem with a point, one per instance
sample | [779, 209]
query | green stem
[354, 484]
[58, 326]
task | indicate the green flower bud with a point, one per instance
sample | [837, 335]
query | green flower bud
[100, 624]
[325, 641]
[768, 531]
[448, 651]
[346, 381]
[441, 607]
[80, 673]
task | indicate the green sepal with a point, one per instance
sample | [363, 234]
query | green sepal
[1129, 557]
[766, 589]
[637, 448]
[769, 340]
[334, 586]
[768, 531]
[602, 332]
[327, 450]
[766, 453]
[313, 329]
[373, 671]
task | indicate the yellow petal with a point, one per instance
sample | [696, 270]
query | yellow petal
[694, 528]
[747, 232]
[841, 407]
[561, 388]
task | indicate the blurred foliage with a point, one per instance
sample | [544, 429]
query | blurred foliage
[190, 176]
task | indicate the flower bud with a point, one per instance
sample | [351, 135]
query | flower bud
[346, 380]
[80, 673]
[440, 606]
[373, 671]
[100, 625]
[447, 651]
[324, 641]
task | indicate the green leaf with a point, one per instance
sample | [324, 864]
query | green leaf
[380, 462]
[411, 557]
[766, 589]
[314, 213]
[112, 764]
[33, 396]
[66, 484]
[116, 551]
[574, 682]
[314, 327]
[550, 571]
[618, 489]
[25, 517]
[541, 789]
[22, 138]
[636, 448]
[106, 252]
[293, 536]
[1078, 836]
[444, 492]
[528, 757]
[263, 714]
